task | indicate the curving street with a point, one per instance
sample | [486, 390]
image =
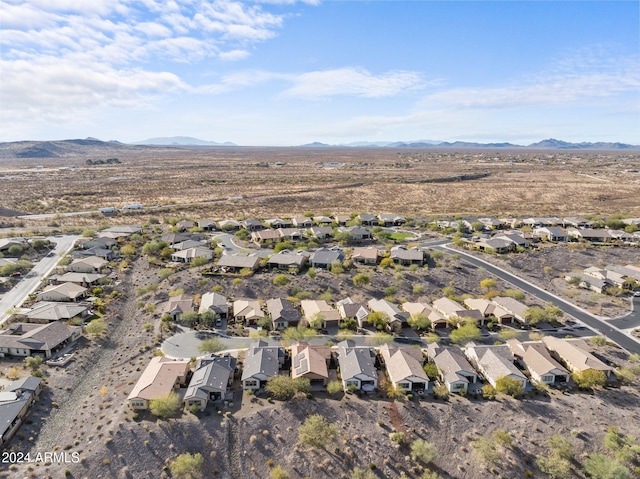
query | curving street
[610, 329]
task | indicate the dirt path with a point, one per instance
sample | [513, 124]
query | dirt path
[101, 361]
[233, 453]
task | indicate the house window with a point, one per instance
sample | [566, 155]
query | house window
[352, 382]
[251, 383]
[404, 385]
[137, 403]
[547, 378]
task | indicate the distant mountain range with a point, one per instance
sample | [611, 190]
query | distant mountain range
[549, 144]
[181, 141]
[92, 146]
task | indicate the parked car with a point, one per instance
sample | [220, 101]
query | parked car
[637, 294]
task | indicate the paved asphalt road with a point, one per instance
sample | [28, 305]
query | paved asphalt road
[600, 326]
[31, 281]
[631, 320]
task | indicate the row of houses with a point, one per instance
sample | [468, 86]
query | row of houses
[363, 368]
[599, 279]
[493, 223]
[283, 313]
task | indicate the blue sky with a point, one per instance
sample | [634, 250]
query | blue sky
[285, 72]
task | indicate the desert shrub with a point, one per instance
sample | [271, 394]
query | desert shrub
[465, 334]
[211, 345]
[431, 370]
[33, 362]
[441, 392]
[399, 438]
[599, 341]
[187, 466]
[281, 280]
[489, 392]
[599, 466]
[165, 407]
[554, 466]
[316, 431]
[510, 386]
[486, 451]
[334, 387]
[278, 472]
[423, 451]
[560, 446]
[96, 328]
[361, 279]
[359, 473]
[285, 387]
[589, 379]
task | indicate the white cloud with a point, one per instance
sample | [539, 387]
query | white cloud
[233, 55]
[352, 81]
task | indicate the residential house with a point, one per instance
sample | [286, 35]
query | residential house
[252, 224]
[313, 310]
[517, 239]
[590, 282]
[126, 229]
[161, 377]
[185, 225]
[276, 223]
[247, 311]
[302, 222]
[449, 309]
[282, 313]
[62, 292]
[216, 303]
[437, 320]
[102, 242]
[261, 363]
[47, 311]
[495, 363]
[28, 339]
[189, 254]
[628, 271]
[613, 277]
[322, 220]
[228, 225]
[491, 223]
[404, 367]
[576, 222]
[552, 233]
[324, 257]
[186, 244]
[512, 306]
[407, 256]
[590, 235]
[321, 232]
[310, 362]
[456, 373]
[290, 234]
[358, 233]
[15, 402]
[207, 225]
[576, 354]
[350, 309]
[495, 245]
[285, 259]
[211, 381]
[7, 243]
[176, 238]
[366, 255]
[367, 220]
[397, 319]
[342, 220]
[265, 237]
[239, 261]
[177, 305]
[489, 309]
[104, 253]
[91, 264]
[534, 356]
[81, 279]
[357, 366]
[389, 219]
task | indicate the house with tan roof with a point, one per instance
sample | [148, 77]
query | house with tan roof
[456, 373]
[302, 222]
[15, 402]
[495, 363]
[489, 309]
[286, 259]
[391, 219]
[62, 292]
[265, 237]
[397, 319]
[312, 309]
[512, 306]
[311, 362]
[407, 256]
[189, 254]
[404, 367]
[82, 279]
[366, 255]
[247, 311]
[576, 354]
[161, 376]
[178, 305]
[216, 303]
[91, 264]
[449, 309]
[239, 261]
[535, 357]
